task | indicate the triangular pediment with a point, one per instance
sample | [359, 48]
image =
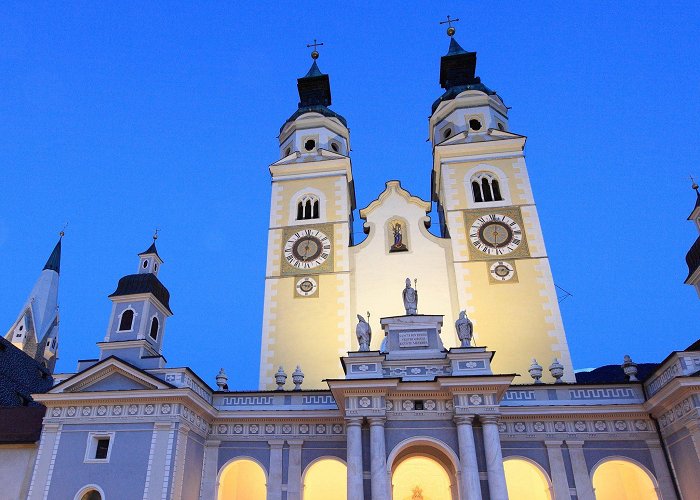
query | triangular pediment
[111, 374]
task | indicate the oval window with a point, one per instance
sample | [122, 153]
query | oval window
[310, 145]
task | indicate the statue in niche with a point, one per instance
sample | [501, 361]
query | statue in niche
[465, 329]
[399, 245]
[363, 332]
[410, 298]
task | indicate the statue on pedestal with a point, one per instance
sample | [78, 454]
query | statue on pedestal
[364, 333]
[465, 329]
[410, 298]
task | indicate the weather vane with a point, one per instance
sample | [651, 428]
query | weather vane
[62, 233]
[155, 234]
[695, 184]
[450, 29]
[314, 54]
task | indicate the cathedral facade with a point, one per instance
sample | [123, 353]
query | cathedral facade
[415, 384]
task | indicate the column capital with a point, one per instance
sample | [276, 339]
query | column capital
[464, 419]
[653, 443]
[489, 419]
[553, 443]
[574, 444]
[295, 442]
[349, 421]
[209, 443]
[376, 421]
[276, 443]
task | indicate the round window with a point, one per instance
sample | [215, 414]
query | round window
[335, 146]
[447, 132]
[145, 263]
[474, 124]
[310, 145]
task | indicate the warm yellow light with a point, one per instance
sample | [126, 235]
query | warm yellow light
[421, 478]
[242, 480]
[326, 479]
[622, 480]
[525, 481]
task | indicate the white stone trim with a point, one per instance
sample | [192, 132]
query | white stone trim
[91, 447]
[622, 458]
[503, 184]
[168, 462]
[322, 207]
[54, 452]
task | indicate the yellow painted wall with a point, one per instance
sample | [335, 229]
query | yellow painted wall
[242, 480]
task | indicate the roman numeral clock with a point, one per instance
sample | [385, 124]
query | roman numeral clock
[497, 235]
[307, 251]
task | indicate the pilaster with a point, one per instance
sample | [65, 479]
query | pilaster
[210, 470]
[274, 478]
[294, 470]
[557, 471]
[582, 479]
[661, 470]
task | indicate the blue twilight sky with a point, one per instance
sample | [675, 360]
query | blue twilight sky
[124, 116]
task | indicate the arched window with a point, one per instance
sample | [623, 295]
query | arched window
[91, 495]
[154, 328]
[91, 492]
[485, 187]
[525, 480]
[242, 479]
[126, 322]
[307, 207]
[421, 476]
[324, 476]
[618, 478]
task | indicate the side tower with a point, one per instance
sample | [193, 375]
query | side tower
[35, 331]
[485, 205]
[140, 308]
[692, 258]
[307, 285]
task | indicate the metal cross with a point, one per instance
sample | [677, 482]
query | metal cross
[63, 231]
[449, 21]
[155, 234]
[314, 45]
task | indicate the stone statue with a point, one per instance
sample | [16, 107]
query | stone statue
[465, 329]
[410, 298]
[398, 245]
[364, 333]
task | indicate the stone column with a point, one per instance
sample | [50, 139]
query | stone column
[582, 478]
[380, 486]
[557, 471]
[274, 475]
[468, 467]
[663, 475]
[294, 470]
[210, 470]
[494, 458]
[356, 490]
[694, 429]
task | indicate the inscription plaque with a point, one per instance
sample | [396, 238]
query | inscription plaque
[413, 339]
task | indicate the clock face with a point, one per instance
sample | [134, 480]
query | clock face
[306, 286]
[307, 249]
[501, 270]
[495, 234]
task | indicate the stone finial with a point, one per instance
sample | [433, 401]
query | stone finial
[280, 379]
[536, 371]
[630, 368]
[557, 371]
[297, 378]
[465, 329]
[410, 298]
[222, 380]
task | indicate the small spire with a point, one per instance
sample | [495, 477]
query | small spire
[314, 53]
[155, 235]
[152, 249]
[54, 261]
[450, 29]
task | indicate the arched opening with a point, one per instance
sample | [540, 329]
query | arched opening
[127, 320]
[242, 479]
[485, 187]
[154, 328]
[622, 479]
[476, 191]
[308, 207]
[326, 478]
[423, 468]
[91, 492]
[526, 480]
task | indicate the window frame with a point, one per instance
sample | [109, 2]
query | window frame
[133, 319]
[91, 448]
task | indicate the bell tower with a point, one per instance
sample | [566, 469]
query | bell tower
[486, 207]
[307, 285]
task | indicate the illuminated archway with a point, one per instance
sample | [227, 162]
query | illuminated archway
[326, 479]
[619, 478]
[526, 480]
[242, 479]
[423, 468]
